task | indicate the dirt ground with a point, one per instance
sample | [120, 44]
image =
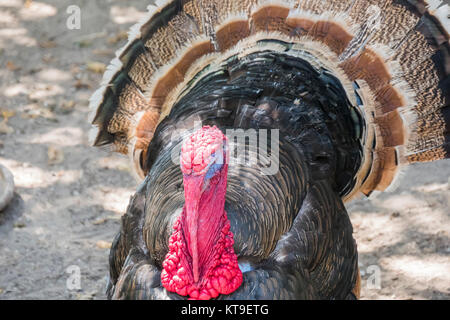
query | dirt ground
[70, 196]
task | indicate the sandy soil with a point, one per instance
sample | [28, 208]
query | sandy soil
[70, 196]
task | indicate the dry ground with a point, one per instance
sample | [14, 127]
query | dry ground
[70, 196]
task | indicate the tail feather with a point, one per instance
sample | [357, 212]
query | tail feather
[396, 52]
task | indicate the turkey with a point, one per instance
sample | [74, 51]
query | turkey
[331, 97]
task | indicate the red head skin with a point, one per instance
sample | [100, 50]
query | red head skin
[201, 262]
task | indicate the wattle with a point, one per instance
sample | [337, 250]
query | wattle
[221, 275]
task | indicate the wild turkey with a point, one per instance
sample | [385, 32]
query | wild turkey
[352, 91]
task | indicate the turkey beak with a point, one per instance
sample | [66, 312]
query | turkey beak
[193, 187]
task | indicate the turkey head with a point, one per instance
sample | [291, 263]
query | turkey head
[201, 262]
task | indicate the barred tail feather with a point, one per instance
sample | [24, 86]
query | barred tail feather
[396, 52]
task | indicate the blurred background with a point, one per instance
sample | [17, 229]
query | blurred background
[56, 232]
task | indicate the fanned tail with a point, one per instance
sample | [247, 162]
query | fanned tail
[391, 56]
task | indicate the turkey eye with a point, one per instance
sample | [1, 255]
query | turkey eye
[215, 179]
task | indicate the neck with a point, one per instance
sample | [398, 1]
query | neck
[201, 261]
[203, 218]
